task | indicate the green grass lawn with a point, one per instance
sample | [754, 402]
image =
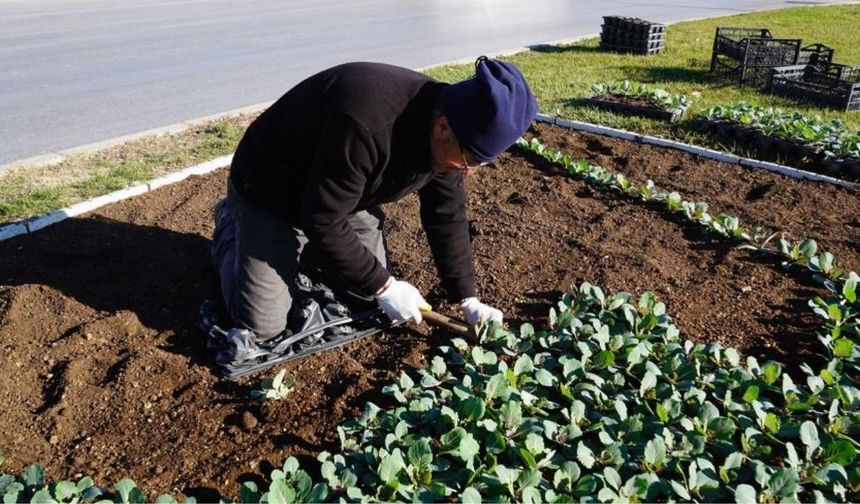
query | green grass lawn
[561, 77]
[29, 191]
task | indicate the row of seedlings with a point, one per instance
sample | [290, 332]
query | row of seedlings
[639, 99]
[810, 142]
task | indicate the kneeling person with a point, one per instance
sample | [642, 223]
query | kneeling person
[310, 173]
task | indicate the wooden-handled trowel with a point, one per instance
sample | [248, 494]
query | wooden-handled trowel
[452, 324]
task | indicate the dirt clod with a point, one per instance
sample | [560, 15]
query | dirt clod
[249, 421]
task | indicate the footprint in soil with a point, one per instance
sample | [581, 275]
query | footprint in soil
[517, 199]
[597, 147]
[54, 387]
[474, 229]
[759, 191]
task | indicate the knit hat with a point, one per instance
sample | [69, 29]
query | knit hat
[491, 110]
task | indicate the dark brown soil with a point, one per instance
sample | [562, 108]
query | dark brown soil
[629, 101]
[630, 105]
[105, 373]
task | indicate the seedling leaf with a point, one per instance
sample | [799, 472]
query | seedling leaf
[470, 496]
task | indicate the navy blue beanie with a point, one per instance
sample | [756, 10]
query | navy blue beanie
[491, 110]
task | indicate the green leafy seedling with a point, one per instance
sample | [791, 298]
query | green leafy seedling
[275, 388]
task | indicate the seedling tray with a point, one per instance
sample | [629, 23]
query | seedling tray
[752, 137]
[614, 31]
[632, 35]
[647, 51]
[646, 42]
[832, 85]
[843, 169]
[633, 25]
[607, 102]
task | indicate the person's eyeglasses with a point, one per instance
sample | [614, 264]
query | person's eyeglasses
[467, 163]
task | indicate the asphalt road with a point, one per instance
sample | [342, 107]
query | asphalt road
[74, 72]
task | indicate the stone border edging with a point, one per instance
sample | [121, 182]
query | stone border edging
[36, 223]
[692, 149]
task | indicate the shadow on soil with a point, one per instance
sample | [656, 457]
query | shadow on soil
[160, 275]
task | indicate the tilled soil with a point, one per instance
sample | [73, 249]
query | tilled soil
[105, 373]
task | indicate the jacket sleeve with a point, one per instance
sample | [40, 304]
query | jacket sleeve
[346, 155]
[443, 216]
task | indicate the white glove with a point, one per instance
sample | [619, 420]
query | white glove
[476, 312]
[401, 301]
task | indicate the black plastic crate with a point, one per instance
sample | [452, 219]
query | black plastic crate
[819, 55]
[836, 86]
[746, 55]
[731, 69]
[732, 41]
[842, 72]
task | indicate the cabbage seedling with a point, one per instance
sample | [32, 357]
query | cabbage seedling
[275, 388]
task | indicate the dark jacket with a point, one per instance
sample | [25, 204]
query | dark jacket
[347, 139]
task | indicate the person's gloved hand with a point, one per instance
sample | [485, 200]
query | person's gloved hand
[476, 312]
[401, 301]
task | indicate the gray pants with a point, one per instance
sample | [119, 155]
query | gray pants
[257, 257]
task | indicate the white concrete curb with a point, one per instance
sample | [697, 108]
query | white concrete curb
[692, 149]
[43, 221]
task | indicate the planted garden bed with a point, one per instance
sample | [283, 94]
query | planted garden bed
[807, 142]
[638, 99]
[111, 375]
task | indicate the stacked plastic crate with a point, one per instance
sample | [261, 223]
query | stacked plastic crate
[747, 55]
[632, 35]
[830, 85]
